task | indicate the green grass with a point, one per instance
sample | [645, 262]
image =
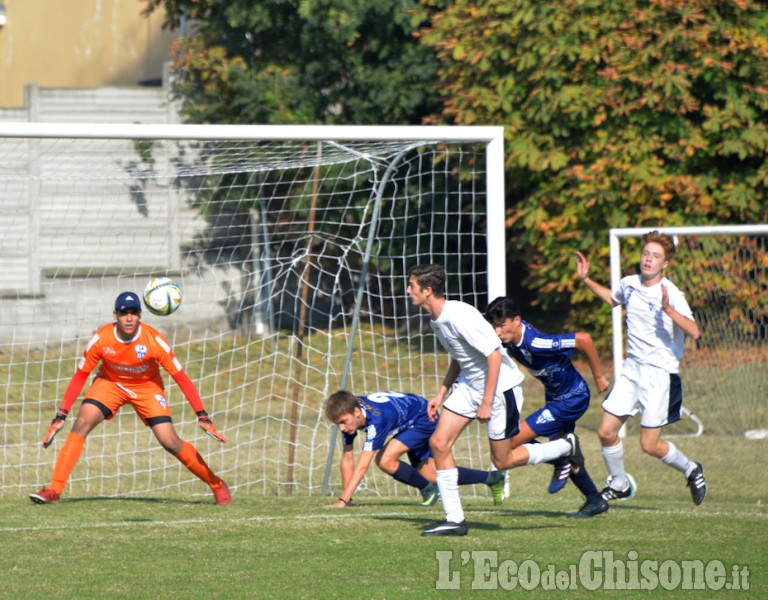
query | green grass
[169, 546]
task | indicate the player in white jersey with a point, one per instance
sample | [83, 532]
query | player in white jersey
[484, 384]
[658, 318]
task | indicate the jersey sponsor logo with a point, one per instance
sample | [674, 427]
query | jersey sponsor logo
[128, 369]
[544, 417]
[109, 351]
[161, 400]
[141, 351]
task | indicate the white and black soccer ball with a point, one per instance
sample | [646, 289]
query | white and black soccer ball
[162, 296]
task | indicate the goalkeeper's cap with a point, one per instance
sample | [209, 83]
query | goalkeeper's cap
[127, 300]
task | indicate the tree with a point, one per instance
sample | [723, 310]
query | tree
[301, 62]
[616, 113]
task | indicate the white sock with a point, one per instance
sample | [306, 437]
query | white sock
[448, 484]
[539, 453]
[678, 460]
[614, 463]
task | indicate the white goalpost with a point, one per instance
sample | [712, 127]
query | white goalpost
[722, 270]
[292, 246]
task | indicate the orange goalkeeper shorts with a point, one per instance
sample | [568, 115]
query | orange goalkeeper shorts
[148, 399]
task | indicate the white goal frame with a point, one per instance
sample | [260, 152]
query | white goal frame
[488, 189]
[617, 319]
[492, 136]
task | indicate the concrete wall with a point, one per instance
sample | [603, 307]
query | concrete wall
[79, 44]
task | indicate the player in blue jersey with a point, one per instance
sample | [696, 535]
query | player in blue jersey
[395, 424]
[658, 319]
[566, 393]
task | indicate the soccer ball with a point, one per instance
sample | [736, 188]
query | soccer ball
[162, 296]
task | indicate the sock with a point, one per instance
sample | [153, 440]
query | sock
[539, 453]
[469, 476]
[585, 484]
[66, 460]
[678, 460]
[406, 474]
[614, 463]
[448, 484]
[190, 458]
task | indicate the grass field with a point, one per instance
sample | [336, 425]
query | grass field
[168, 546]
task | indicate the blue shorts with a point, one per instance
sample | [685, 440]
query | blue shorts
[416, 439]
[554, 418]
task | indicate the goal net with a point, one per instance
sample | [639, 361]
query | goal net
[291, 245]
[722, 271]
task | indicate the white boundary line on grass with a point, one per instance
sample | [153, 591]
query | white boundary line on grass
[311, 517]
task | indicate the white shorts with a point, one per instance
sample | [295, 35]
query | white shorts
[657, 394]
[505, 410]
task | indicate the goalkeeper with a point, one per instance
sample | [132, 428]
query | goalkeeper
[405, 418]
[130, 353]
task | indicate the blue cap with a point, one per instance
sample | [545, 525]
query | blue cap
[127, 300]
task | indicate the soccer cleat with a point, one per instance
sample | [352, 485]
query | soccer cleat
[447, 528]
[697, 484]
[575, 456]
[559, 476]
[430, 495]
[497, 480]
[221, 494]
[627, 493]
[45, 496]
[591, 508]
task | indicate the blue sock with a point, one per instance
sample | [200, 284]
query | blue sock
[409, 476]
[585, 484]
[469, 476]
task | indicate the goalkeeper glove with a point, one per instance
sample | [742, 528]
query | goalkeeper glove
[207, 426]
[56, 425]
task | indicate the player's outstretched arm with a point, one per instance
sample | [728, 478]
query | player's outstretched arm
[363, 462]
[585, 345]
[193, 397]
[582, 271]
[70, 395]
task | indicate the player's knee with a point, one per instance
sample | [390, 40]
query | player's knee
[652, 447]
[607, 435]
[439, 446]
[499, 461]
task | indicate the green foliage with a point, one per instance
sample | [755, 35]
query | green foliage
[301, 61]
[617, 114]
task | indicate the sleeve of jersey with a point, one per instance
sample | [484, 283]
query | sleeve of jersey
[618, 293]
[680, 304]
[554, 345]
[480, 334]
[73, 389]
[189, 390]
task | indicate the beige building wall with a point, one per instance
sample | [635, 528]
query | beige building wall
[79, 43]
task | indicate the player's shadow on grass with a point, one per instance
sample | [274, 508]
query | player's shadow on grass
[139, 499]
[428, 521]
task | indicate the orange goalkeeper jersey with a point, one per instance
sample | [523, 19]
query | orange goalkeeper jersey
[134, 361]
